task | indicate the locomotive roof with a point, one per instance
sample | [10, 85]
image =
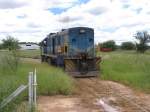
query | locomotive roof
[81, 28]
[65, 31]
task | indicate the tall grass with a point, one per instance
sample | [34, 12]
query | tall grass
[30, 54]
[129, 68]
[50, 81]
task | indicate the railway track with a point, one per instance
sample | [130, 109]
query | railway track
[91, 89]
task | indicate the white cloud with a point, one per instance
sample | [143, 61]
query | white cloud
[12, 4]
[29, 20]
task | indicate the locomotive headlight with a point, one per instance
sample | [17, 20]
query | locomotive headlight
[82, 31]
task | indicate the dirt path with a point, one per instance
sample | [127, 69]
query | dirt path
[94, 95]
[116, 95]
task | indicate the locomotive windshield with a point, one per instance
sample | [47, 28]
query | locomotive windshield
[82, 41]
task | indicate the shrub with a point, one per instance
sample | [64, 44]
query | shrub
[109, 44]
[10, 62]
[10, 43]
[127, 46]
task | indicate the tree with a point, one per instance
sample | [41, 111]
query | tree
[109, 44]
[127, 46]
[143, 39]
[1, 46]
[10, 43]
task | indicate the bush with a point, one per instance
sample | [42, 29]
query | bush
[109, 44]
[10, 43]
[127, 46]
[10, 62]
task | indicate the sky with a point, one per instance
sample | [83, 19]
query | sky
[32, 20]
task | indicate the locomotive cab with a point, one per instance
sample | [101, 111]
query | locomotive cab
[81, 59]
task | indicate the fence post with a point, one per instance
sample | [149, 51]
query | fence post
[35, 84]
[30, 90]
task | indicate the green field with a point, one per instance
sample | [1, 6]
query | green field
[50, 80]
[30, 53]
[25, 53]
[127, 67]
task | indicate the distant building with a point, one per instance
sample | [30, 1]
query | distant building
[29, 46]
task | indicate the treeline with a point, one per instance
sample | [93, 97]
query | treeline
[111, 44]
[28, 43]
[143, 39]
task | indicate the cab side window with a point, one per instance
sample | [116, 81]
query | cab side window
[66, 49]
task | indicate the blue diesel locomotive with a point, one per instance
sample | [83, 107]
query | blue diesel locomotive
[72, 49]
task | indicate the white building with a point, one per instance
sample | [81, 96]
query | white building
[29, 46]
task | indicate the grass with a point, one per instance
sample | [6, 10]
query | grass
[30, 53]
[50, 81]
[25, 53]
[127, 67]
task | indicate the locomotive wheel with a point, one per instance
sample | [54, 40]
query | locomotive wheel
[42, 58]
[49, 61]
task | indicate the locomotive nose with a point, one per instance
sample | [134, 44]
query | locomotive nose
[83, 66]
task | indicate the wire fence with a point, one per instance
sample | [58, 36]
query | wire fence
[32, 83]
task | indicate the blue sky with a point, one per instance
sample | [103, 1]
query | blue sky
[57, 10]
[32, 20]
